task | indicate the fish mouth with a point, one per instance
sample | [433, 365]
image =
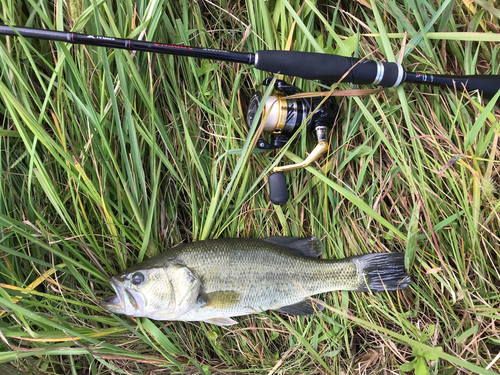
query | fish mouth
[114, 303]
[111, 300]
[125, 301]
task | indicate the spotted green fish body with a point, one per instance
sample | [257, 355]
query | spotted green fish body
[215, 280]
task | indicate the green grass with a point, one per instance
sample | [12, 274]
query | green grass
[108, 157]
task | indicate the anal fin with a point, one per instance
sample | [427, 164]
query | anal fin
[302, 308]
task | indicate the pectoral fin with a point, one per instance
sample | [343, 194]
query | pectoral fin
[221, 321]
[221, 300]
[307, 246]
[307, 307]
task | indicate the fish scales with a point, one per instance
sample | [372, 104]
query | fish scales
[265, 275]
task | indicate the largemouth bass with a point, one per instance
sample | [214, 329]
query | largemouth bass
[215, 280]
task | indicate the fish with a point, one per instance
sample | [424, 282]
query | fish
[216, 280]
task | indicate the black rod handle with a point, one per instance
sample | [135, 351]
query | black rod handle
[487, 84]
[329, 67]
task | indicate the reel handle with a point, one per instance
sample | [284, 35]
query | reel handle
[278, 190]
[320, 148]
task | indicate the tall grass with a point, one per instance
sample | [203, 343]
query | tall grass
[109, 157]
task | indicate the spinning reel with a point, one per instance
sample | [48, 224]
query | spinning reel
[281, 118]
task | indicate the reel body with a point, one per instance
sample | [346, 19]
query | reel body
[281, 118]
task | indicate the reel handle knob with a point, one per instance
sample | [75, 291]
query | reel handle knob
[278, 190]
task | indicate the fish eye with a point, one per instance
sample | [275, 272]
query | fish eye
[137, 278]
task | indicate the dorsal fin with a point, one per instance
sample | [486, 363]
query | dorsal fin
[307, 246]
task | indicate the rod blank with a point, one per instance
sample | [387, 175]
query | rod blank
[128, 44]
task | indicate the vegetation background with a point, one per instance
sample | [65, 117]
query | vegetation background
[110, 156]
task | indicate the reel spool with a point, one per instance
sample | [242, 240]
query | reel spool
[282, 118]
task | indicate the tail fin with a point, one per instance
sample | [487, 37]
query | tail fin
[381, 272]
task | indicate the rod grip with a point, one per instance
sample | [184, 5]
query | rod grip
[329, 67]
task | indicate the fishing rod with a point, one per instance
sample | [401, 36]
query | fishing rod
[308, 65]
[283, 116]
